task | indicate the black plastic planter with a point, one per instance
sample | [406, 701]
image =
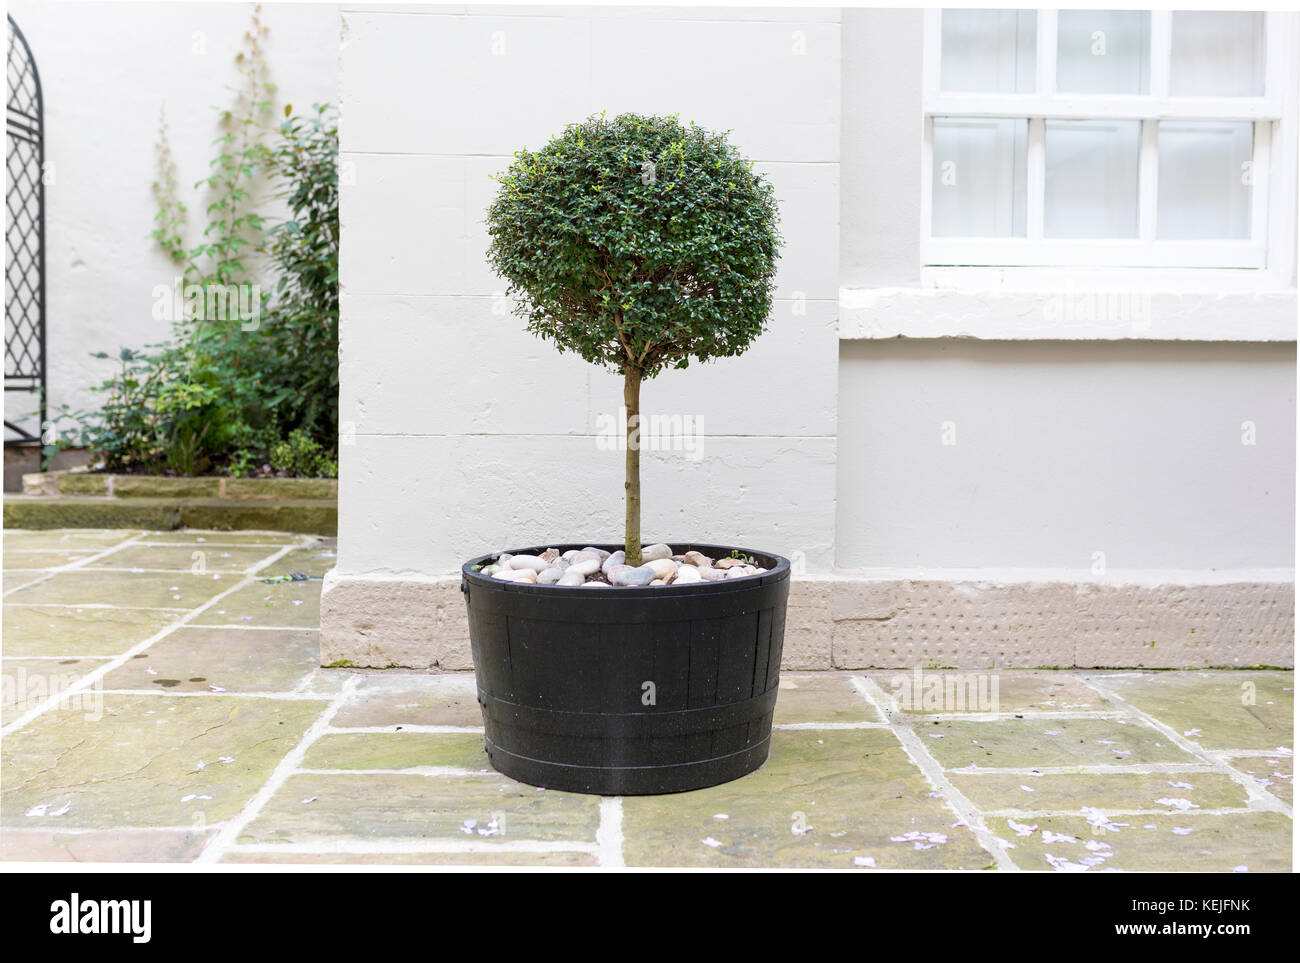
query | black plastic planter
[628, 691]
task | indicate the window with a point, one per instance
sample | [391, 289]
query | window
[1106, 138]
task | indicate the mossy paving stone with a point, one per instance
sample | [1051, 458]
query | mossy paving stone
[180, 590]
[149, 486]
[821, 697]
[82, 483]
[326, 683]
[397, 750]
[994, 791]
[78, 631]
[28, 682]
[278, 604]
[1027, 743]
[416, 859]
[186, 558]
[236, 660]
[422, 700]
[201, 537]
[369, 806]
[1016, 690]
[1218, 704]
[104, 845]
[1274, 774]
[309, 561]
[68, 539]
[17, 579]
[1216, 844]
[855, 788]
[124, 515]
[27, 561]
[282, 488]
[136, 765]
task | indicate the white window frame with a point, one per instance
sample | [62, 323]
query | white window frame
[1268, 251]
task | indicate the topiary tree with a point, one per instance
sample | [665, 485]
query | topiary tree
[639, 244]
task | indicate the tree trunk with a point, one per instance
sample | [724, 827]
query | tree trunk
[632, 485]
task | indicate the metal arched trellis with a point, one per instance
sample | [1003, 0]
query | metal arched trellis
[25, 231]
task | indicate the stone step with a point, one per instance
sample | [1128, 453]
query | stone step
[310, 516]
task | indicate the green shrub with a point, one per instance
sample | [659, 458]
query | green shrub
[225, 391]
[300, 456]
[639, 244]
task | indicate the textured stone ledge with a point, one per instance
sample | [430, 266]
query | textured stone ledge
[84, 483]
[317, 516]
[855, 622]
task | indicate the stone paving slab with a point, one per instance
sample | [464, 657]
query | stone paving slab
[104, 846]
[558, 859]
[412, 699]
[1217, 710]
[15, 561]
[309, 561]
[1276, 774]
[1056, 791]
[186, 558]
[1020, 743]
[856, 789]
[29, 682]
[65, 539]
[398, 750]
[200, 538]
[148, 761]
[346, 807]
[233, 660]
[179, 590]
[1261, 842]
[821, 697]
[78, 631]
[278, 605]
[1015, 690]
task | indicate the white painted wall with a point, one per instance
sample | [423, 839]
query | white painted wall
[473, 436]
[1064, 448]
[107, 69]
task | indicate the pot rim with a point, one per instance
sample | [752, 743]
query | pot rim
[778, 572]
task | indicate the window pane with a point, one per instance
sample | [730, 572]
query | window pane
[1091, 178]
[988, 51]
[1103, 51]
[1217, 55]
[1204, 190]
[979, 177]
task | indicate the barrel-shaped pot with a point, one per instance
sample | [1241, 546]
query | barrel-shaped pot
[628, 691]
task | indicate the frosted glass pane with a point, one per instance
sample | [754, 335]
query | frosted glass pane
[979, 177]
[1217, 55]
[988, 51]
[1204, 192]
[1091, 178]
[1103, 51]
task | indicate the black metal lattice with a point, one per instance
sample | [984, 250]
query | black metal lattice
[25, 229]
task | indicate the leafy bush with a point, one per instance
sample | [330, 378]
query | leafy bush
[639, 244]
[223, 393]
[301, 456]
[231, 386]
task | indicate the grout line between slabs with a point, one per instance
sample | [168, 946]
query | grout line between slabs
[287, 766]
[1260, 799]
[118, 661]
[398, 847]
[609, 835]
[74, 566]
[934, 772]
